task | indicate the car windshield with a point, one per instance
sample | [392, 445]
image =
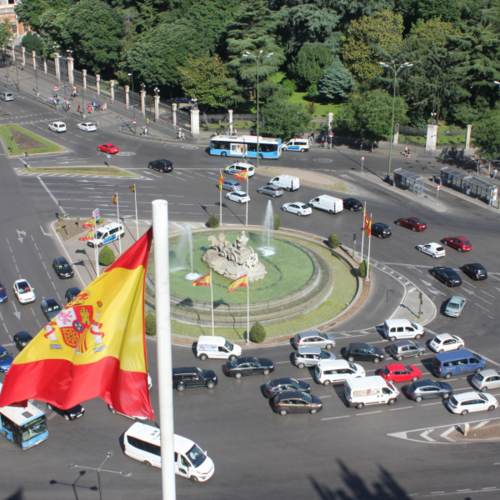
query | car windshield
[322, 335]
[307, 397]
[64, 266]
[234, 363]
[466, 243]
[196, 456]
[200, 371]
[407, 368]
[478, 376]
[385, 370]
[4, 356]
[24, 287]
[419, 222]
[303, 206]
[415, 326]
[453, 305]
[33, 428]
[324, 354]
[411, 388]
[53, 307]
[98, 235]
[370, 348]
[439, 249]
[483, 397]
[257, 361]
[294, 381]
[353, 367]
[228, 346]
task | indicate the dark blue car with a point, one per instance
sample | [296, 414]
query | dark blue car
[5, 360]
[3, 294]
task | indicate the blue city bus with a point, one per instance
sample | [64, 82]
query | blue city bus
[245, 146]
[24, 426]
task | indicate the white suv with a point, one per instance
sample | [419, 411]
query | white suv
[57, 126]
[471, 402]
[217, 348]
[338, 370]
[398, 329]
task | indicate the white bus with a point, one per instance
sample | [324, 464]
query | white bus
[24, 426]
[245, 146]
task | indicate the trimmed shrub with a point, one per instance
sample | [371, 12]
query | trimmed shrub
[257, 333]
[362, 269]
[277, 222]
[213, 221]
[151, 324]
[333, 241]
[106, 256]
[58, 229]
[100, 221]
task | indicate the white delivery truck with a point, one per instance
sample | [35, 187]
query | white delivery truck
[370, 391]
[327, 204]
[287, 182]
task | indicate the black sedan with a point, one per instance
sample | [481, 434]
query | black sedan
[3, 294]
[162, 166]
[62, 268]
[278, 385]
[475, 271]
[69, 414]
[381, 230]
[296, 402]
[447, 275]
[50, 308]
[21, 340]
[242, 367]
[71, 293]
[428, 389]
[353, 205]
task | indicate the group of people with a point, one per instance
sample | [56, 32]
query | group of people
[75, 91]
[144, 131]
[407, 152]
[96, 106]
[180, 134]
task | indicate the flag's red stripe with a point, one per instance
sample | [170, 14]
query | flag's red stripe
[137, 255]
[63, 384]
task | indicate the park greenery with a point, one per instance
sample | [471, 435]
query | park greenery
[330, 50]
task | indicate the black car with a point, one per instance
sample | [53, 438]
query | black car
[447, 275]
[241, 367]
[62, 268]
[193, 377]
[428, 389]
[381, 230]
[71, 293]
[353, 205]
[364, 352]
[21, 340]
[161, 165]
[69, 414]
[296, 402]
[475, 271]
[278, 385]
[50, 308]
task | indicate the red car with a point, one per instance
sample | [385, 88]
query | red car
[400, 373]
[108, 148]
[461, 243]
[413, 223]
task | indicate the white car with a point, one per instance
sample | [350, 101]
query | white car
[87, 126]
[469, 402]
[24, 292]
[6, 96]
[297, 208]
[446, 342]
[57, 126]
[235, 168]
[238, 197]
[435, 250]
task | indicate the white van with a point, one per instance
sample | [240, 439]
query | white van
[217, 348]
[301, 145]
[397, 329]
[328, 204]
[143, 443]
[370, 391]
[249, 168]
[106, 234]
[287, 182]
[337, 370]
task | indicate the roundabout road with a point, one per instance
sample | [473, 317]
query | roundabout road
[397, 452]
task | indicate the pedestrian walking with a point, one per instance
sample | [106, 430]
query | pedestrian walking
[179, 134]
[79, 108]
[182, 136]
[406, 150]
[409, 152]
[146, 130]
[311, 138]
[323, 140]
[495, 172]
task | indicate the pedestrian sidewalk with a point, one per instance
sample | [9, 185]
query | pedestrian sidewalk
[412, 309]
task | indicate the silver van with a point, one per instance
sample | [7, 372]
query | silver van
[311, 356]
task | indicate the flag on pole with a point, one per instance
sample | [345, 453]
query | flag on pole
[367, 229]
[221, 181]
[243, 281]
[132, 188]
[88, 236]
[242, 175]
[115, 198]
[203, 281]
[89, 223]
[95, 347]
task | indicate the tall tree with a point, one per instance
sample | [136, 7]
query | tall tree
[487, 135]
[310, 64]
[284, 119]
[337, 82]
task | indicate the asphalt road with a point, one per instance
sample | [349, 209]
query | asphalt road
[338, 454]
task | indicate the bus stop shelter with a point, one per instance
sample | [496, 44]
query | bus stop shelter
[408, 180]
[470, 185]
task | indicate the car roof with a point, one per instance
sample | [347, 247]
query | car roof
[61, 260]
[231, 181]
[23, 336]
[358, 344]
[424, 383]
[477, 266]
[489, 372]
[459, 238]
[239, 192]
[50, 300]
[456, 298]
[280, 381]
[309, 350]
[352, 199]
[454, 355]
[401, 343]
[396, 322]
[73, 289]
[333, 363]
[381, 224]
[396, 366]
[304, 335]
[190, 369]
[2, 349]
[466, 395]
[444, 336]
[289, 394]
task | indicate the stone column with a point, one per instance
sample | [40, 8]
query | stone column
[13, 54]
[143, 102]
[70, 66]
[195, 122]
[432, 134]
[33, 58]
[157, 107]
[395, 139]
[112, 88]
[230, 111]
[45, 64]
[84, 78]
[127, 92]
[98, 83]
[174, 114]
[23, 53]
[467, 140]
[56, 64]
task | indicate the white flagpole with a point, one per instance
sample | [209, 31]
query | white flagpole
[136, 217]
[369, 248]
[164, 348]
[118, 218]
[96, 251]
[363, 234]
[248, 310]
[220, 198]
[248, 194]
[212, 300]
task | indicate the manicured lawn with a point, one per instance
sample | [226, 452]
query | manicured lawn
[18, 140]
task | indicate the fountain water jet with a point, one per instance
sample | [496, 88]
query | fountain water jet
[267, 249]
[184, 248]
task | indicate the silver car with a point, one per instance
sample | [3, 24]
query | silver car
[311, 356]
[231, 185]
[406, 349]
[314, 339]
[455, 306]
[486, 380]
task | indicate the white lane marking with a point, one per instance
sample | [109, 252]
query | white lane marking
[481, 424]
[404, 408]
[334, 418]
[368, 413]
[482, 308]
[307, 378]
[323, 397]
[486, 293]
[449, 431]
[281, 362]
[490, 361]
[426, 436]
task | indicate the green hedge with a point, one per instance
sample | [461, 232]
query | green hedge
[213, 221]
[257, 333]
[333, 241]
[151, 324]
[106, 256]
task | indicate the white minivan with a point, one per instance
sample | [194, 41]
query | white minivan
[287, 182]
[217, 348]
[327, 204]
[106, 234]
[301, 145]
[143, 443]
[236, 168]
[372, 390]
[398, 329]
[333, 371]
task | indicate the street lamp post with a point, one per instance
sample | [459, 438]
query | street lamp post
[131, 74]
[395, 71]
[157, 93]
[99, 470]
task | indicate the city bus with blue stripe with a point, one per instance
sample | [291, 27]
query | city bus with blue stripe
[25, 426]
[245, 146]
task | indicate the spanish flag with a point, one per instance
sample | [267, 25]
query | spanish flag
[242, 176]
[115, 198]
[221, 181]
[243, 281]
[367, 226]
[95, 347]
[203, 281]
[88, 236]
[89, 223]
[132, 188]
